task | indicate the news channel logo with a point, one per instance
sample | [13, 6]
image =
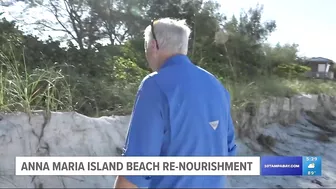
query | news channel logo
[311, 166]
[281, 165]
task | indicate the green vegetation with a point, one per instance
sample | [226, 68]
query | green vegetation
[99, 69]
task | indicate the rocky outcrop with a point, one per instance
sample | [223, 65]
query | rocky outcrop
[60, 134]
[301, 125]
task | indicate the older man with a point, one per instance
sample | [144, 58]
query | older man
[180, 110]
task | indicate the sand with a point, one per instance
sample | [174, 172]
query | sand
[300, 126]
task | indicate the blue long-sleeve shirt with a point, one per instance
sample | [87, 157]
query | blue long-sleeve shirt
[181, 110]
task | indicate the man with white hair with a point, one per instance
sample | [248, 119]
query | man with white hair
[180, 110]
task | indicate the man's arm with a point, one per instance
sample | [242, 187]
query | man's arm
[231, 132]
[122, 182]
[232, 147]
[145, 133]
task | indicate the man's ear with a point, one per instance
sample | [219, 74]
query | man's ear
[152, 45]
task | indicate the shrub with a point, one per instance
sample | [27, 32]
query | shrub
[291, 70]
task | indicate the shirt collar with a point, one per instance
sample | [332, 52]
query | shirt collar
[180, 58]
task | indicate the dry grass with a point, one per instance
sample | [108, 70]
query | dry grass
[23, 90]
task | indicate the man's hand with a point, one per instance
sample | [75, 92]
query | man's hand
[122, 182]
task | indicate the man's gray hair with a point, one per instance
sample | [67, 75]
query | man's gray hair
[172, 35]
